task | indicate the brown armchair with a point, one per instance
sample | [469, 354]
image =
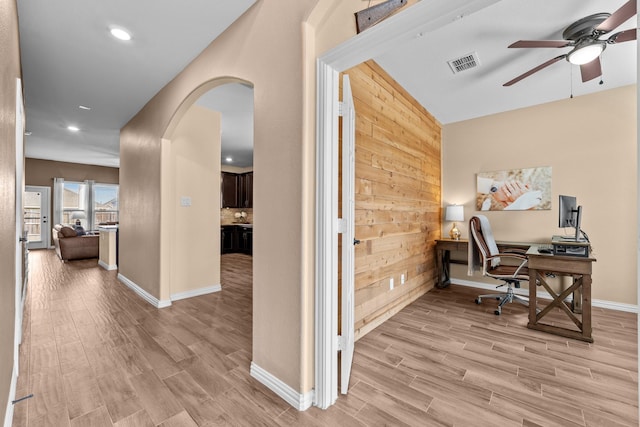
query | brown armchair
[70, 246]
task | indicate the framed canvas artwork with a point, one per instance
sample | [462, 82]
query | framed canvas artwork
[514, 189]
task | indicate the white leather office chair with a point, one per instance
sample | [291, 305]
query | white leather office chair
[483, 252]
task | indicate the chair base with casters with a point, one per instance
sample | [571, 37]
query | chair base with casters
[505, 297]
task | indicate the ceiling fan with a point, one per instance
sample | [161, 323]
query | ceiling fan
[583, 36]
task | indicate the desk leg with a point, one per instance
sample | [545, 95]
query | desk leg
[577, 299]
[533, 303]
[442, 268]
[586, 307]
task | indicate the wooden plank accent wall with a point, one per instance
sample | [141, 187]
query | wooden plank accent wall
[398, 193]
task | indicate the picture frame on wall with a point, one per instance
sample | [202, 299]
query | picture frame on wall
[514, 189]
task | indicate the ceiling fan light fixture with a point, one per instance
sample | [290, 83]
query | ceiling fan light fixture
[120, 33]
[585, 54]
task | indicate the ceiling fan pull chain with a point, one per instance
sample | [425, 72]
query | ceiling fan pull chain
[571, 79]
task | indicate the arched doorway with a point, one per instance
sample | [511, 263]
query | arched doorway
[215, 119]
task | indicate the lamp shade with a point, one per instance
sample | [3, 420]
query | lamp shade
[454, 213]
[78, 215]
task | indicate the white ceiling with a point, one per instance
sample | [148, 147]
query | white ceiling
[69, 59]
[235, 103]
[420, 65]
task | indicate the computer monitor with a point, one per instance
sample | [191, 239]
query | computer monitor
[570, 215]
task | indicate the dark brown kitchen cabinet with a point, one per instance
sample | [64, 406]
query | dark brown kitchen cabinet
[246, 190]
[245, 240]
[237, 190]
[236, 239]
[228, 239]
[229, 190]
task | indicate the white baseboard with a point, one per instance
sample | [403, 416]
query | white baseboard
[8, 415]
[196, 292]
[612, 305]
[107, 266]
[300, 401]
[144, 294]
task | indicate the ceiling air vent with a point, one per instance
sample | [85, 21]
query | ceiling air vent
[465, 62]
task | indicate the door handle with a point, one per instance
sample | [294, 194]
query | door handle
[22, 239]
[356, 242]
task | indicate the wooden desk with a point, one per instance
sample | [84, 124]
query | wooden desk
[443, 259]
[577, 267]
[444, 247]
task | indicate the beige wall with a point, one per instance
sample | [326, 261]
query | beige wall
[41, 172]
[9, 72]
[195, 230]
[590, 143]
[264, 48]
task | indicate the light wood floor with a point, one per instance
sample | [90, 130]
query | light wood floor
[96, 354]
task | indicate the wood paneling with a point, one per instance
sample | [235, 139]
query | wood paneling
[397, 195]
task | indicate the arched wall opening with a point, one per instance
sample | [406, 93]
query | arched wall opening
[190, 194]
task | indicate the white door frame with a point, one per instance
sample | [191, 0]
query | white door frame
[45, 216]
[424, 17]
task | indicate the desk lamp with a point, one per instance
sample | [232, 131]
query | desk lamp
[78, 215]
[454, 213]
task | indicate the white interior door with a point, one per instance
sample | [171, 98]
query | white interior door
[19, 237]
[348, 233]
[36, 202]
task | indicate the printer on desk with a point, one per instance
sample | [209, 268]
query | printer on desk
[568, 247]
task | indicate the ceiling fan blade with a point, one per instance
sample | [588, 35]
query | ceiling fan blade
[618, 17]
[541, 43]
[591, 70]
[534, 70]
[623, 36]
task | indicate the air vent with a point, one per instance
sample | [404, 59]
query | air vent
[465, 62]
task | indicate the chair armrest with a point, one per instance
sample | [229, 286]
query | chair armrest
[523, 260]
[507, 255]
[515, 251]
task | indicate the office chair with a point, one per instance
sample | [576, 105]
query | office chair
[483, 252]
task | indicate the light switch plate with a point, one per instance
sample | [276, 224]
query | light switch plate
[185, 201]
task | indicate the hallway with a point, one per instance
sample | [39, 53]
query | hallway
[94, 353]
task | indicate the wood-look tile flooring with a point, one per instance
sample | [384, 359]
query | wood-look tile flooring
[95, 354]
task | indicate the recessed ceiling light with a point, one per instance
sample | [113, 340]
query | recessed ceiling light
[229, 159]
[120, 33]
[84, 107]
[73, 128]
